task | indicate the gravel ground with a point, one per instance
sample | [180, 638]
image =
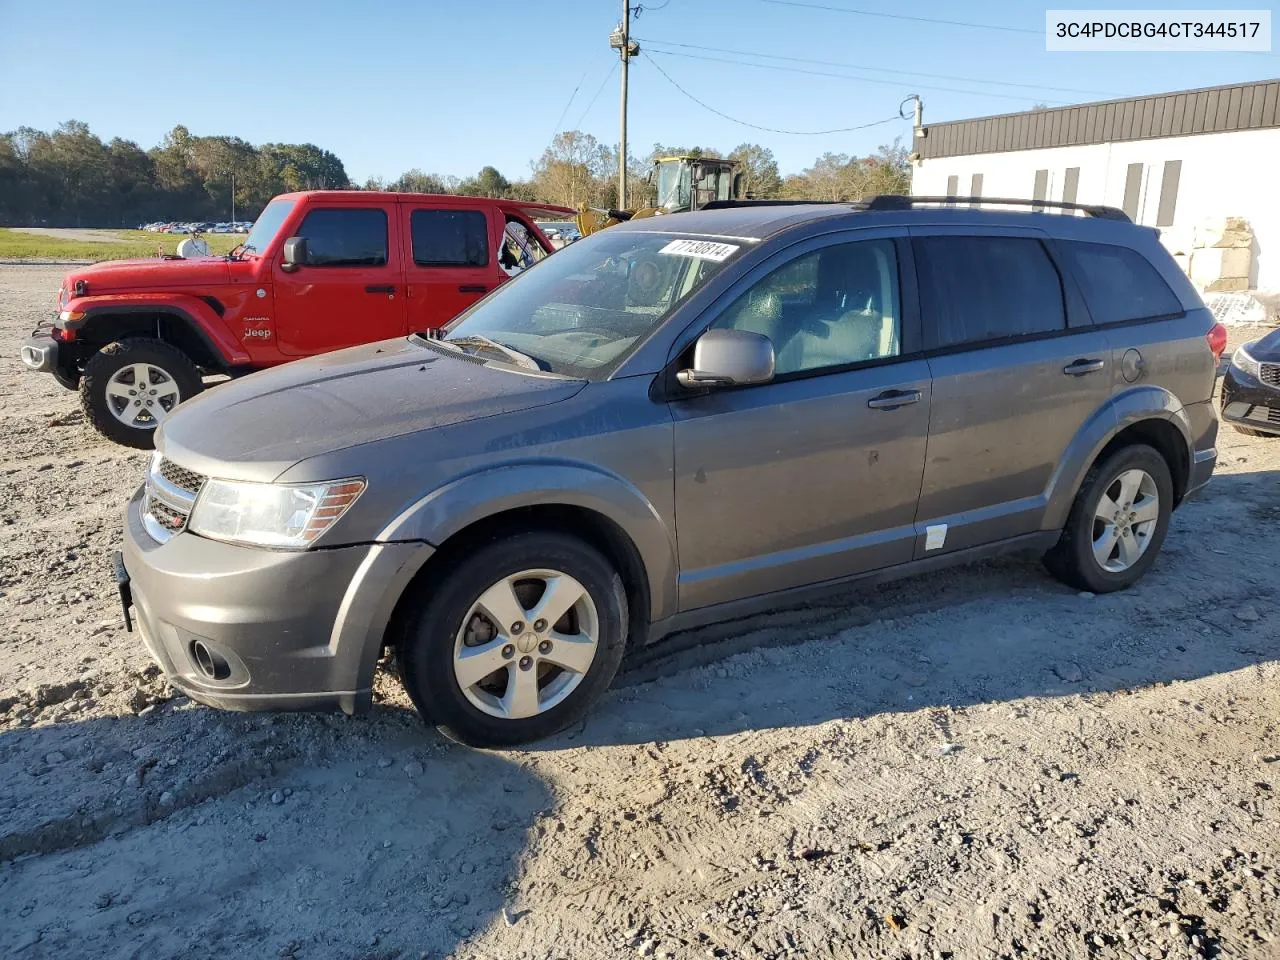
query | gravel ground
[976, 764]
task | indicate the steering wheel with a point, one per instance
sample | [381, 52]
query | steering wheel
[644, 282]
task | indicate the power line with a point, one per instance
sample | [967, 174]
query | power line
[568, 104]
[756, 126]
[903, 16]
[607, 76]
[850, 66]
[844, 76]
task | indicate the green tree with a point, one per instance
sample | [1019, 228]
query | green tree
[760, 177]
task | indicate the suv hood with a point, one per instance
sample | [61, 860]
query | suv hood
[1267, 349]
[152, 275]
[257, 427]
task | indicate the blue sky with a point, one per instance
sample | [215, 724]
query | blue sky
[449, 86]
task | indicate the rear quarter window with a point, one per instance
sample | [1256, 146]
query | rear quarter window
[1118, 283]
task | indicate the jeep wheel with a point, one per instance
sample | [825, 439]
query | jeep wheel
[130, 386]
[518, 642]
[1117, 523]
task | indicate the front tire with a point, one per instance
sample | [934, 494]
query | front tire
[130, 386]
[520, 640]
[1117, 523]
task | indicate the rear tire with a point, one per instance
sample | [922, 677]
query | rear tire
[1094, 553]
[450, 636]
[110, 394]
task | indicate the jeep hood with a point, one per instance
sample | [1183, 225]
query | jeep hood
[257, 427]
[153, 275]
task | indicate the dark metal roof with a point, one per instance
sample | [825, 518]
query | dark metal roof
[1240, 106]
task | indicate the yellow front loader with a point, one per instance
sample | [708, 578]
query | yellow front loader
[684, 183]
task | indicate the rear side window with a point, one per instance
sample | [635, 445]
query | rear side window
[345, 237]
[976, 289]
[449, 238]
[1119, 284]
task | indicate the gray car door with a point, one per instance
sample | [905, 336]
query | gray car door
[815, 475]
[1017, 370]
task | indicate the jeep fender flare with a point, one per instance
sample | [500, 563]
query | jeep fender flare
[196, 315]
[1124, 410]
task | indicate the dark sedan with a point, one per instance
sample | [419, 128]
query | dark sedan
[1251, 387]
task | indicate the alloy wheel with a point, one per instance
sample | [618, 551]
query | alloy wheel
[1125, 520]
[140, 395]
[526, 644]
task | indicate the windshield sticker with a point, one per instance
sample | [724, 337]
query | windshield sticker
[700, 249]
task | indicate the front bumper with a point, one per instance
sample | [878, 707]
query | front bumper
[39, 352]
[242, 628]
[1249, 402]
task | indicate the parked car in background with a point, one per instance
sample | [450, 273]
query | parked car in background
[1251, 387]
[668, 423]
[319, 271]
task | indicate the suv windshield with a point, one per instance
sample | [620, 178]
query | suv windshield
[267, 226]
[581, 310]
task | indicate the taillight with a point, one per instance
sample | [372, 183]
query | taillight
[1217, 338]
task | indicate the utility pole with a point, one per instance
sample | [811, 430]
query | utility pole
[627, 48]
[233, 199]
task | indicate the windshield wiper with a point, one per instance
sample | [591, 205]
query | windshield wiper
[480, 341]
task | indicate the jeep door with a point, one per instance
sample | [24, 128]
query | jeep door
[815, 475]
[451, 261]
[1018, 369]
[350, 290]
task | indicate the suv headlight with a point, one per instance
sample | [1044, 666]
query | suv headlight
[286, 516]
[1245, 363]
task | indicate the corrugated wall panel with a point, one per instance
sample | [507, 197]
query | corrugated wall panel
[1247, 106]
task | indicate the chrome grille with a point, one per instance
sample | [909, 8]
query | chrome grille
[169, 518]
[170, 495]
[1269, 373]
[181, 477]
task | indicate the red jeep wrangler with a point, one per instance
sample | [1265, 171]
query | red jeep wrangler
[319, 271]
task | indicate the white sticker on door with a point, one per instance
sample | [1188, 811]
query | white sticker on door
[935, 536]
[700, 249]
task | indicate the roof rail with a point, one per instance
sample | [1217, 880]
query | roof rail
[897, 202]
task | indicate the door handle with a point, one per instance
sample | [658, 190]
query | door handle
[893, 399]
[375, 288]
[472, 288]
[1080, 367]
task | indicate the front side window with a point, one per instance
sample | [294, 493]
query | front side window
[828, 308]
[520, 248]
[979, 289]
[1118, 283]
[584, 309]
[345, 237]
[449, 238]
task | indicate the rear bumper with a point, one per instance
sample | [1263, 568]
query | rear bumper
[1249, 402]
[241, 628]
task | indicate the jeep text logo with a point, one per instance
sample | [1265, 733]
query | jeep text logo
[257, 328]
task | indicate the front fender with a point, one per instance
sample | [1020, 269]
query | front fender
[197, 314]
[1134, 405]
[473, 497]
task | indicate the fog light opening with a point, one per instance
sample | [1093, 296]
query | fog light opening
[209, 663]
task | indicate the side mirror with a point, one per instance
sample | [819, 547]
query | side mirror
[729, 358]
[737, 187]
[295, 254]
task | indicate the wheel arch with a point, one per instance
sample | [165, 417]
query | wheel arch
[1148, 415]
[182, 325]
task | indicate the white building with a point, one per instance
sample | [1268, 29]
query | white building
[1187, 162]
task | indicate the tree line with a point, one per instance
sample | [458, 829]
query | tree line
[70, 177]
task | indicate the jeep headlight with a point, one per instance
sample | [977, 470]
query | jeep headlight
[1243, 362]
[283, 515]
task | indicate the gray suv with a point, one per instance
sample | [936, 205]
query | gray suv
[675, 421]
